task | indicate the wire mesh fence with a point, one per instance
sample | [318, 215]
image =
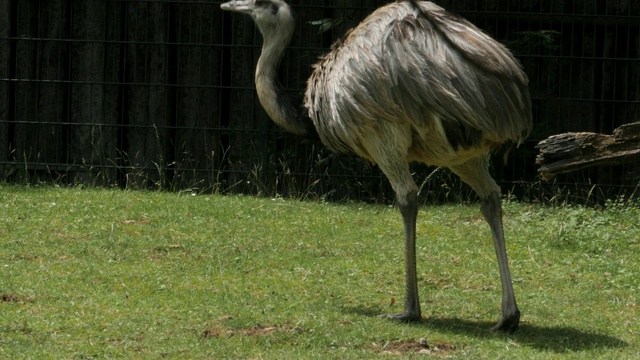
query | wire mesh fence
[160, 94]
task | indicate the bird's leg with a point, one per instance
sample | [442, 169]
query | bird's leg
[409, 209]
[492, 210]
[475, 172]
[397, 171]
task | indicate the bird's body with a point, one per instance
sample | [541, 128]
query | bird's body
[410, 83]
[397, 77]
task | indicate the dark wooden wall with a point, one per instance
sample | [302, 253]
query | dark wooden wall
[159, 93]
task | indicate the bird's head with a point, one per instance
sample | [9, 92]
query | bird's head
[271, 16]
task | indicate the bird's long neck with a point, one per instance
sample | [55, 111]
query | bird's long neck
[281, 107]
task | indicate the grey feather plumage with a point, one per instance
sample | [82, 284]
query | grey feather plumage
[418, 68]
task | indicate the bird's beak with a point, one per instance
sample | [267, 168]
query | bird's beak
[241, 6]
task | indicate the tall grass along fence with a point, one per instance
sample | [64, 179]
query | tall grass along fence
[160, 94]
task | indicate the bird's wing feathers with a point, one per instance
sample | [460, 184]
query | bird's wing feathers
[441, 63]
[433, 71]
[475, 45]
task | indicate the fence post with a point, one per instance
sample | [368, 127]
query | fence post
[5, 43]
[265, 125]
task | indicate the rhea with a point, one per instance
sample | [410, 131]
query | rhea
[412, 82]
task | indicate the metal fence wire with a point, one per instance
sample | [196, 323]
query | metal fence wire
[160, 94]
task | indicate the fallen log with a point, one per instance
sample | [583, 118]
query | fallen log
[573, 151]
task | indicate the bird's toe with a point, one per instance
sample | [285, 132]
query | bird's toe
[508, 324]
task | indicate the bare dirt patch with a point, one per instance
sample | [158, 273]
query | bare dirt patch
[11, 298]
[258, 330]
[420, 346]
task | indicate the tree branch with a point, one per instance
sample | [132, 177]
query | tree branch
[568, 152]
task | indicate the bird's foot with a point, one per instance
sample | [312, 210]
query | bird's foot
[508, 324]
[405, 316]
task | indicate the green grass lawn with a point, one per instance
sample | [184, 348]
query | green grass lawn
[120, 274]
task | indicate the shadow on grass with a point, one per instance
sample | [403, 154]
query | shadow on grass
[549, 338]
